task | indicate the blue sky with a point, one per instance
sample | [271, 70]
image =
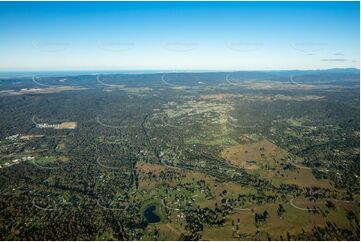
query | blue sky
[179, 35]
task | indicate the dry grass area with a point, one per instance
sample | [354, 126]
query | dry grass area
[292, 221]
[44, 90]
[166, 232]
[143, 167]
[241, 154]
[300, 177]
[29, 137]
[67, 125]
[218, 233]
[268, 159]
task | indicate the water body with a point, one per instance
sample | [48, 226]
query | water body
[150, 215]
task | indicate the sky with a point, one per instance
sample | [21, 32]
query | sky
[179, 35]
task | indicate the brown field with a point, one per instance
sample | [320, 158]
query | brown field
[166, 232]
[67, 125]
[143, 169]
[45, 90]
[292, 221]
[269, 158]
[28, 137]
[300, 177]
[238, 155]
[149, 167]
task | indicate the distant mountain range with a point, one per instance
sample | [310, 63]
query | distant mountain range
[19, 74]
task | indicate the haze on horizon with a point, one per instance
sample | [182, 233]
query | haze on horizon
[179, 35]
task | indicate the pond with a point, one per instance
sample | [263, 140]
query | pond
[150, 215]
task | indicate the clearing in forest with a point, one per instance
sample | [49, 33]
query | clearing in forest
[251, 156]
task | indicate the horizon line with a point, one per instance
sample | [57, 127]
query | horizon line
[172, 70]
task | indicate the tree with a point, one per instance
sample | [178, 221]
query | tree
[280, 210]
